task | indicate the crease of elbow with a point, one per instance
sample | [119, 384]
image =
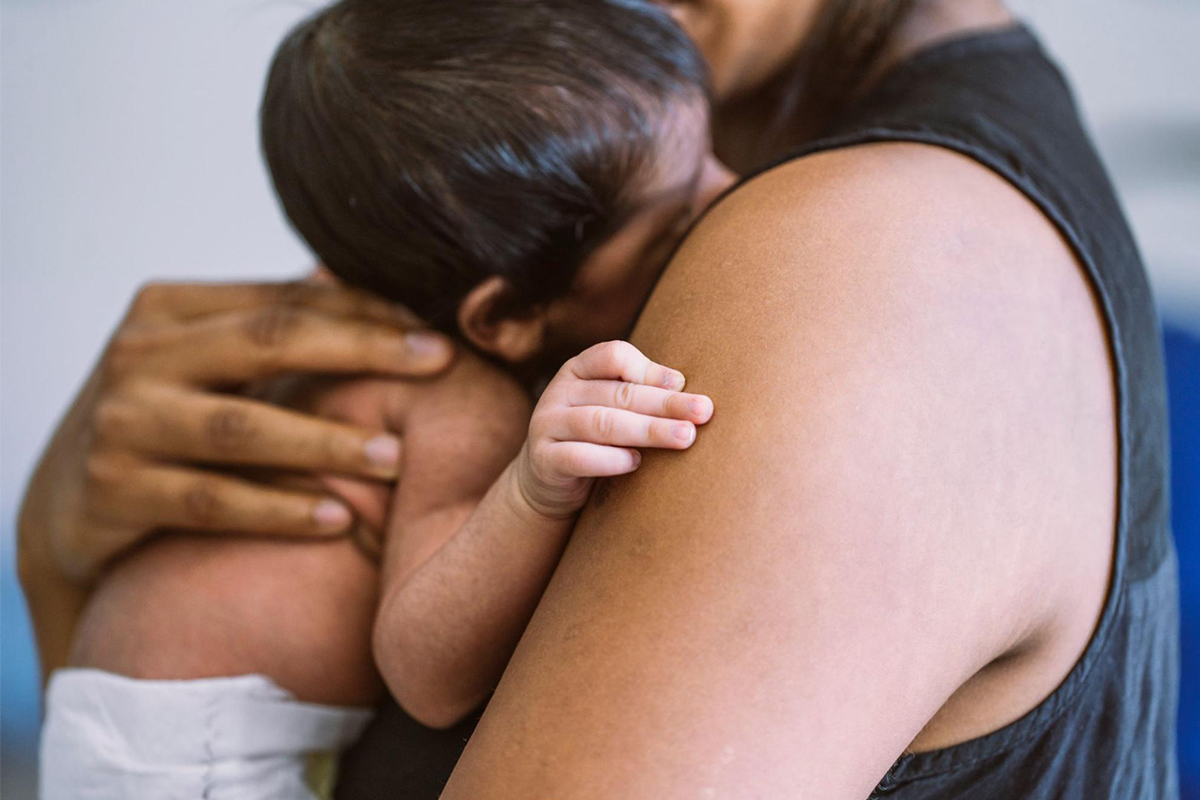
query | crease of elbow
[417, 685]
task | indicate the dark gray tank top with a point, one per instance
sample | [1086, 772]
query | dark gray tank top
[1109, 730]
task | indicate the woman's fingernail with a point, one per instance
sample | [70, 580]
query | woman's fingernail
[684, 432]
[424, 343]
[383, 451]
[331, 514]
[673, 380]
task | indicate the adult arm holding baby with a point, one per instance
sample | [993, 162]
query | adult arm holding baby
[148, 441]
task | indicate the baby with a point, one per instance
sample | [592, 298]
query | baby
[517, 172]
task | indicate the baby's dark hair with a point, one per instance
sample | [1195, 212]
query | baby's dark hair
[421, 146]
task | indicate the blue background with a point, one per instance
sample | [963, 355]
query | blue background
[1183, 382]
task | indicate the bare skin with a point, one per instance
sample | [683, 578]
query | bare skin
[896, 534]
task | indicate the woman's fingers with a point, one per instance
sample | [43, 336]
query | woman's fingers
[649, 400]
[622, 361]
[189, 426]
[621, 428]
[242, 346]
[101, 487]
[182, 301]
[147, 495]
[591, 460]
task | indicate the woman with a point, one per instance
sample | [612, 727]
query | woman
[924, 552]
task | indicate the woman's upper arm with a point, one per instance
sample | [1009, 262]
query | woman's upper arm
[782, 609]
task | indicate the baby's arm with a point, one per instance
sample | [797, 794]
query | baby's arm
[462, 576]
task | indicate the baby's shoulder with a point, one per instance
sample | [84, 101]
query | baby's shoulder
[459, 431]
[472, 392]
[473, 408]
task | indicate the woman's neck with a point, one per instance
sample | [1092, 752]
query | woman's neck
[739, 126]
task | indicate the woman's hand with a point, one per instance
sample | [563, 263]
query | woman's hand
[141, 447]
[601, 405]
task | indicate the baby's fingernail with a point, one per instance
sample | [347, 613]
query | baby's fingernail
[331, 515]
[383, 451]
[684, 432]
[637, 458]
[700, 406]
[424, 343]
[673, 380]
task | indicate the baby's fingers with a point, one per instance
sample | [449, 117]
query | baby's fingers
[649, 400]
[623, 362]
[621, 428]
[585, 460]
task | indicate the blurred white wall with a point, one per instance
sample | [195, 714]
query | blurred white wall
[128, 151]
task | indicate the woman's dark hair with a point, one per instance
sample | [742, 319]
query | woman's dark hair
[420, 146]
[837, 62]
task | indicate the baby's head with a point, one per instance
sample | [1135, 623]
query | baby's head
[517, 171]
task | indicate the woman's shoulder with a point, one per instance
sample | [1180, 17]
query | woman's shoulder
[890, 223]
[865, 187]
[881, 228]
[901, 317]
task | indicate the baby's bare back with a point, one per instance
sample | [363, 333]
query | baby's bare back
[205, 605]
[196, 606]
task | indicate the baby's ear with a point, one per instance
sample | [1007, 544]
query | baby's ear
[490, 318]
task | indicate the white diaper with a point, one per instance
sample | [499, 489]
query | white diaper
[107, 737]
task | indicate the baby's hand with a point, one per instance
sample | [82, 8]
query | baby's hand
[601, 405]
